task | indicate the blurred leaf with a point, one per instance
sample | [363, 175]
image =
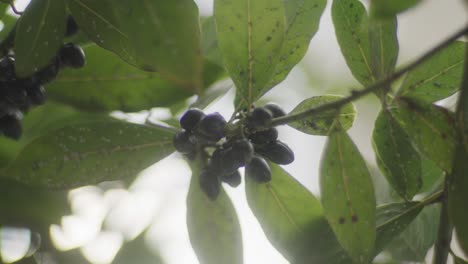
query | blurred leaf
[250, 37]
[209, 41]
[73, 256]
[137, 252]
[40, 121]
[321, 124]
[292, 219]
[26, 206]
[458, 260]
[107, 83]
[3, 9]
[348, 196]
[386, 8]
[417, 238]
[89, 152]
[8, 25]
[392, 219]
[397, 159]
[167, 38]
[437, 78]
[213, 226]
[431, 129]
[302, 19]
[458, 181]
[39, 35]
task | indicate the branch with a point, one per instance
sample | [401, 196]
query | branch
[444, 233]
[356, 94]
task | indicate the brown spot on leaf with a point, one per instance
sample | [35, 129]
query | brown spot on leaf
[341, 220]
[354, 218]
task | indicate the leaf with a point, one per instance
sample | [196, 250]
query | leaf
[211, 94]
[209, 41]
[292, 219]
[431, 129]
[39, 35]
[250, 37]
[213, 227]
[302, 18]
[458, 181]
[3, 9]
[413, 244]
[107, 83]
[89, 152]
[431, 175]
[397, 159]
[370, 48]
[458, 260]
[31, 207]
[40, 121]
[137, 251]
[385, 8]
[8, 25]
[437, 78]
[348, 196]
[320, 124]
[392, 219]
[167, 39]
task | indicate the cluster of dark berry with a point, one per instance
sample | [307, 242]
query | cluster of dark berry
[255, 143]
[18, 95]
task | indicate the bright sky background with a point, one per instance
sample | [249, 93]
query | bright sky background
[158, 195]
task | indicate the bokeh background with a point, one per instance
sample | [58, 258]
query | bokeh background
[105, 216]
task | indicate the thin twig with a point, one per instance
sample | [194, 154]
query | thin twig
[16, 11]
[356, 94]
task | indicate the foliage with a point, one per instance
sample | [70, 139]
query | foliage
[154, 53]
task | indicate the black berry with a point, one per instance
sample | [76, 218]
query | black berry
[258, 169]
[275, 110]
[182, 142]
[233, 179]
[72, 55]
[10, 125]
[36, 94]
[191, 118]
[212, 126]
[7, 68]
[260, 117]
[72, 27]
[209, 183]
[277, 152]
[264, 136]
[48, 73]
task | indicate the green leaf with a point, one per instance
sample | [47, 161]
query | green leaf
[348, 196]
[31, 207]
[392, 219]
[370, 48]
[209, 41]
[167, 39]
[320, 124]
[39, 35]
[413, 244]
[3, 9]
[213, 227]
[8, 25]
[458, 260]
[432, 175]
[107, 83]
[302, 18]
[292, 219]
[250, 37]
[437, 78]
[89, 152]
[386, 8]
[431, 129]
[397, 159]
[137, 251]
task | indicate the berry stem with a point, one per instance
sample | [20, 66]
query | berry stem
[357, 94]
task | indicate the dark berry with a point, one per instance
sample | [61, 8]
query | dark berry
[258, 169]
[275, 110]
[72, 55]
[264, 136]
[277, 152]
[191, 118]
[37, 94]
[242, 151]
[72, 27]
[48, 73]
[209, 183]
[182, 143]
[233, 179]
[212, 126]
[7, 68]
[10, 125]
[15, 95]
[260, 117]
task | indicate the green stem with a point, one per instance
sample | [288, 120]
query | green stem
[356, 94]
[444, 234]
